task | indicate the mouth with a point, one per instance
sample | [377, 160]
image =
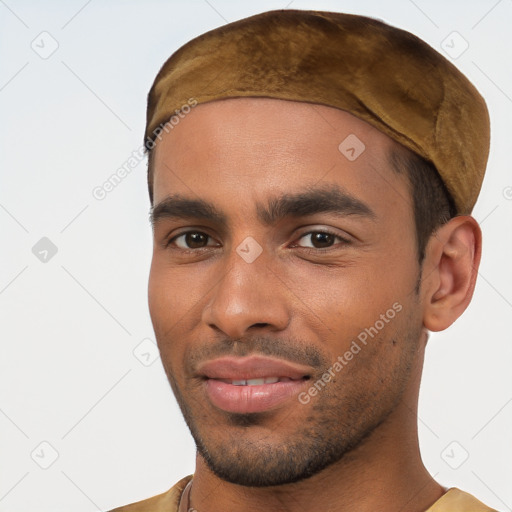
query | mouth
[252, 384]
[256, 382]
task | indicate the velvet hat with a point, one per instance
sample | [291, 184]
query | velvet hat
[383, 75]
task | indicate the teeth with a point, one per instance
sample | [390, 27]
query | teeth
[258, 382]
[255, 382]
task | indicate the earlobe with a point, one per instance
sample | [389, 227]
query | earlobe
[451, 266]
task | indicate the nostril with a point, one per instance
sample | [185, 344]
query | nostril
[263, 324]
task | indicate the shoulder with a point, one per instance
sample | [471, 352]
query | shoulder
[455, 500]
[165, 502]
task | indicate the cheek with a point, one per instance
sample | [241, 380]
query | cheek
[172, 292]
[359, 303]
[167, 308]
[176, 297]
[164, 309]
[158, 296]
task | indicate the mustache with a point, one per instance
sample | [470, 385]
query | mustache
[294, 351]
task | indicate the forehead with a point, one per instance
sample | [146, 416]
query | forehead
[258, 147]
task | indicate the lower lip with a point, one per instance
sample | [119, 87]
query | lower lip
[246, 399]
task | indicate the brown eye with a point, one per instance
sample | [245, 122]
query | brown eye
[190, 240]
[320, 239]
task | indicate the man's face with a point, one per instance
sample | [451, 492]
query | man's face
[336, 276]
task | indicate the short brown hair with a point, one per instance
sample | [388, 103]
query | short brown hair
[432, 203]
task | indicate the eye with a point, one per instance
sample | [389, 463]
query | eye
[190, 240]
[321, 239]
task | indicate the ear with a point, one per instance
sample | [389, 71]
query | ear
[450, 270]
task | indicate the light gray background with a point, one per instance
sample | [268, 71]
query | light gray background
[72, 373]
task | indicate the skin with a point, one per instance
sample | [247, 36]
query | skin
[354, 446]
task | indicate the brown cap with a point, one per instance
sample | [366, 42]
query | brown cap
[383, 75]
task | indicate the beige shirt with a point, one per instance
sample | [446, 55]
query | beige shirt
[454, 500]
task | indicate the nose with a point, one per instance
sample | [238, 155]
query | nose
[248, 295]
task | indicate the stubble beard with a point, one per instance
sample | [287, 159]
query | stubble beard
[332, 429]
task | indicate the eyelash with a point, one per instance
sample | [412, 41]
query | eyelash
[308, 249]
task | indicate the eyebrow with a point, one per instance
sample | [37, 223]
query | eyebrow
[327, 199]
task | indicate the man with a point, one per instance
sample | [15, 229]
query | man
[311, 176]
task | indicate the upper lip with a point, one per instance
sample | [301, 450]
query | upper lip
[253, 367]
